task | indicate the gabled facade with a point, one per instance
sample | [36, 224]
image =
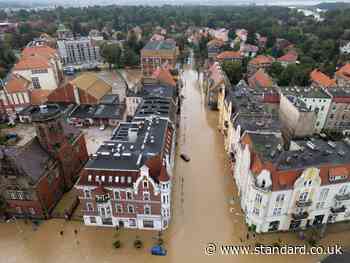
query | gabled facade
[289, 188]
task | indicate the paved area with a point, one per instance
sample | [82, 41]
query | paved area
[26, 133]
[95, 137]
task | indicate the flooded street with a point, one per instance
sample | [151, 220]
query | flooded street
[202, 211]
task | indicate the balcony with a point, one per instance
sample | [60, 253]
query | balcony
[303, 203]
[300, 216]
[340, 209]
[342, 197]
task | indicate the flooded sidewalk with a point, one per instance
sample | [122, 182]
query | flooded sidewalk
[205, 210]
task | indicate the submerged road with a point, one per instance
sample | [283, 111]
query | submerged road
[202, 210]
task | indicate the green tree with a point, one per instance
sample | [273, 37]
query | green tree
[111, 54]
[275, 70]
[233, 71]
[130, 58]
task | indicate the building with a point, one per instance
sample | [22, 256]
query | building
[41, 66]
[214, 82]
[259, 62]
[16, 94]
[297, 119]
[344, 48]
[220, 34]
[243, 108]
[288, 59]
[290, 186]
[242, 34]
[342, 76]
[63, 32]
[248, 50]
[338, 118]
[214, 47]
[315, 99]
[260, 80]
[34, 177]
[109, 111]
[81, 51]
[88, 88]
[127, 182]
[321, 80]
[158, 53]
[230, 56]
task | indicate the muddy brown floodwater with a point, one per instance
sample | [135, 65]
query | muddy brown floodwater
[202, 211]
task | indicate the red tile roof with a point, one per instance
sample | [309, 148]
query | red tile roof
[344, 71]
[229, 55]
[17, 84]
[39, 96]
[163, 177]
[291, 56]
[216, 74]
[32, 62]
[261, 59]
[260, 80]
[44, 51]
[37, 57]
[164, 75]
[321, 79]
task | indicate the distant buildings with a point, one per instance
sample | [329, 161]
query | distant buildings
[79, 51]
[219, 34]
[230, 56]
[214, 47]
[248, 50]
[34, 177]
[259, 62]
[158, 53]
[342, 76]
[289, 58]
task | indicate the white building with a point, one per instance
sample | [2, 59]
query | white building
[79, 51]
[41, 66]
[282, 190]
[345, 49]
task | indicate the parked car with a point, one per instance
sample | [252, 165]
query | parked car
[102, 127]
[69, 71]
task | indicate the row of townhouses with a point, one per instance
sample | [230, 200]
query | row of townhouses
[290, 175]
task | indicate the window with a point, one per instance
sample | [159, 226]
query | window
[146, 196]
[129, 179]
[255, 211]
[323, 194]
[129, 195]
[117, 195]
[89, 207]
[303, 196]
[122, 179]
[258, 198]
[19, 210]
[147, 210]
[119, 208]
[277, 211]
[145, 184]
[131, 209]
[36, 83]
[87, 194]
[92, 220]
[31, 210]
[320, 205]
[132, 222]
[343, 190]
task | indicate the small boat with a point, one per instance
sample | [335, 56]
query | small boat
[185, 157]
[158, 251]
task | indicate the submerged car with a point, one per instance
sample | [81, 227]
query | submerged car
[158, 251]
[185, 157]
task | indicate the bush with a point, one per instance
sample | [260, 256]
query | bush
[117, 244]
